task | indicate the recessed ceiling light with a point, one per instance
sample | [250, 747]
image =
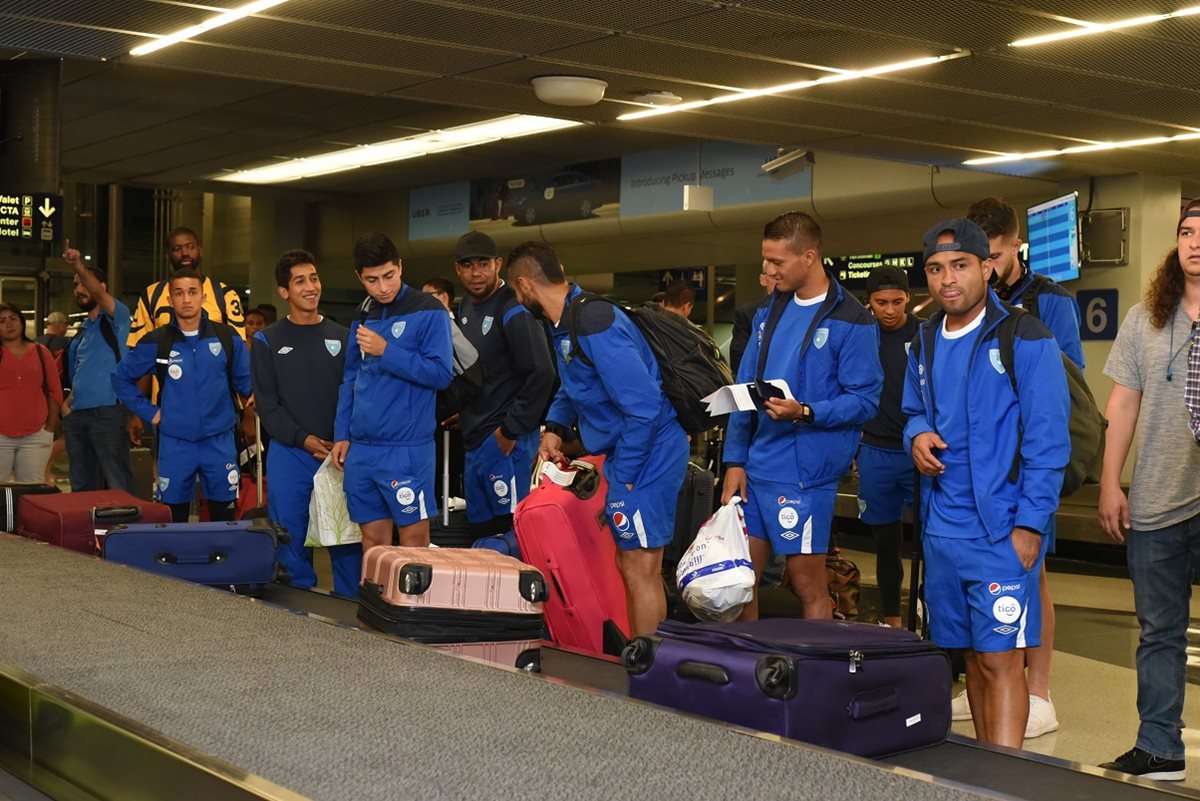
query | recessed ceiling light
[224, 18]
[477, 133]
[837, 77]
[660, 98]
[1092, 148]
[1090, 28]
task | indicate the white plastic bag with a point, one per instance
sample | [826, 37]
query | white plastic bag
[328, 521]
[716, 576]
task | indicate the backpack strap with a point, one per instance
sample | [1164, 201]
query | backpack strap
[573, 313]
[1006, 336]
[1029, 298]
[219, 290]
[110, 336]
[225, 335]
[154, 298]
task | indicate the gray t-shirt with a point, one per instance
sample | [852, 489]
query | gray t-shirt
[1166, 474]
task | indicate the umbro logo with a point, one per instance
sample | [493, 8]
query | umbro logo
[284, 349]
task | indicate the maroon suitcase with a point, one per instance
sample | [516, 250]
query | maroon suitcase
[66, 519]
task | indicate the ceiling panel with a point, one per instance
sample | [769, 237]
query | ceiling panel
[1077, 125]
[1174, 106]
[496, 98]
[789, 110]
[1141, 59]
[377, 50]
[1005, 76]
[461, 25]
[65, 40]
[132, 16]
[616, 15]
[980, 140]
[736, 29]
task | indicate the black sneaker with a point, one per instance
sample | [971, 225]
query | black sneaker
[1137, 762]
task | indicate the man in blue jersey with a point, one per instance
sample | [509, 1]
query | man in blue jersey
[399, 355]
[823, 343]
[93, 421]
[994, 457]
[200, 365]
[297, 365]
[611, 393]
[1017, 285]
[500, 427]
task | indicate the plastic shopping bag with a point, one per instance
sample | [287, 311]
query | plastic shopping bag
[328, 521]
[716, 576]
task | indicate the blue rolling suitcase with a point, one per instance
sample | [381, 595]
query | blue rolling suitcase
[236, 554]
[853, 687]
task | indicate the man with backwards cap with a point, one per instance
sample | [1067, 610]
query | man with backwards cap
[500, 427]
[885, 471]
[994, 459]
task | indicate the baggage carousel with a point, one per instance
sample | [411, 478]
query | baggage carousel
[120, 684]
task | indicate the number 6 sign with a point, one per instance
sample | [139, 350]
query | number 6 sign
[1099, 313]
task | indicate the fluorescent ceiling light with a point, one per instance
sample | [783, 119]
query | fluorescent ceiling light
[232, 15]
[477, 133]
[1089, 28]
[837, 77]
[1092, 148]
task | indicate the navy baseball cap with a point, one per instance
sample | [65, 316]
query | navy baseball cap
[968, 238]
[882, 278]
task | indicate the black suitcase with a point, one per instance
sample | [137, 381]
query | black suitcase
[10, 498]
[692, 510]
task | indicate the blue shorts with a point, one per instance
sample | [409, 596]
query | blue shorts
[213, 458]
[644, 517]
[885, 484]
[495, 483]
[795, 521]
[390, 482]
[980, 596]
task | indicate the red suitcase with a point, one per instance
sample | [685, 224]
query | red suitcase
[563, 531]
[470, 601]
[66, 519]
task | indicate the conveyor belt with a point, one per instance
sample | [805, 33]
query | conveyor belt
[1020, 775]
[108, 674]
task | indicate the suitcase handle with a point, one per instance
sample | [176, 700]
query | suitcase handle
[116, 514]
[213, 558]
[874, 702]
[704, 671]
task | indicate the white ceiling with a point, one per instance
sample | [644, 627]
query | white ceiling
[311, 75]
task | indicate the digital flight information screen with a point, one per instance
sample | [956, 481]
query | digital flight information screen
[1053, 235]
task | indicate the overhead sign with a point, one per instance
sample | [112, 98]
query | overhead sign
[853, 271]
[31, 218]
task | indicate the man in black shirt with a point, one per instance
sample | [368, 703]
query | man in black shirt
[501, 427]
[885, 470]
[297, 365]
[743, 317]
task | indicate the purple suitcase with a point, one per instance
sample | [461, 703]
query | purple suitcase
[853, 687]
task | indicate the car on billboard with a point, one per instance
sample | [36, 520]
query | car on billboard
[568, 195]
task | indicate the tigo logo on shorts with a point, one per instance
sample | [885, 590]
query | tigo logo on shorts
[788, 517]
[405, 495]
[1006, 609]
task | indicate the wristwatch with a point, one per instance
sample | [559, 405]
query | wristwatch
[806, 415]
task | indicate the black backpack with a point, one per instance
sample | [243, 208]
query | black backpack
[689, 361]
[467, 384]
[170, 335]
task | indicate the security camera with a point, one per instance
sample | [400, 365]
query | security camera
[788, 163]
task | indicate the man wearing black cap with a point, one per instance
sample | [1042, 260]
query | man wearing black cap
[987, 405]
[885, 475]
[500, 427]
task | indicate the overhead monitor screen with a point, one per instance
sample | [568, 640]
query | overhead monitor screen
[1053, 232]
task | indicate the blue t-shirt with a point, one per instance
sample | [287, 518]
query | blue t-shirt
[91, 361]
[952, 508]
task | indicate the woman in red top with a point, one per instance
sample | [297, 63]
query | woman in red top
[30, 397]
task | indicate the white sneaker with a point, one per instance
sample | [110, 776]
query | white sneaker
[960, 707]
[1042, 719]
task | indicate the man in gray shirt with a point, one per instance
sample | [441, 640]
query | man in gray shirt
[1160, 521]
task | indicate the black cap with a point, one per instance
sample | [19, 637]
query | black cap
[475, 245]
[968, 238]
[887, 278]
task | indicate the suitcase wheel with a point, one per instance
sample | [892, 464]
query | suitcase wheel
[532, 586]
[530, 660]
[415, 578]
[638, 656]
[776, 677]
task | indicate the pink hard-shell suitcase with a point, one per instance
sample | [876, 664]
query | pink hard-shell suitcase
[466, 600]
[563, 531]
